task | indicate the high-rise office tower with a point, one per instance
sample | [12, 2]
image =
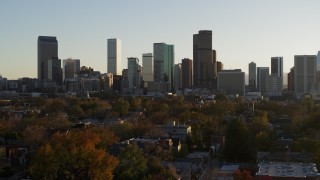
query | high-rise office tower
[133, 72]
[277, 71]
[177, 76]
[54, 72]
[305, 72]
[163, 55]
[71, 68]
[114, 56]
[147, 64]
[291, 80]
[262, 79]
[215, 64]
[47, 47]
[231, 82]
[252, 75]
[219, 66]
[186, 73]
[204, 60]
[318, 68]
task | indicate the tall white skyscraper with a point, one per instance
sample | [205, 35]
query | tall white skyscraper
[114, 56]
[305, 67]
[147, 64]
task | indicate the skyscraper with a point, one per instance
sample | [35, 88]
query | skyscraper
[219, 66]
[54, 72]
[47, 47]
[114, 56]
[262, 79]
[71, 68]
[186, 73]
[177, 76]
[277, 66]
[163, 62]
[277, 76]
[305, 69]
[291, 80]
[318, 68]
[133, 72]
[252, 76]
[204, 60]
[231, 82]
[147, 64]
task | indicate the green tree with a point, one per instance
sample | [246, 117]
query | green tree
[121, 106]
[155, 170]
[123, 131]
[135, 103]
[54, 106]
[238, 146]
[133, 163]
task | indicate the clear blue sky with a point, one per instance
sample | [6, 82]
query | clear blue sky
[243, 31]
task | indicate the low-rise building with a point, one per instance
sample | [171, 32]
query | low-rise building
[180, 131]
[287, 170]
[226, 172]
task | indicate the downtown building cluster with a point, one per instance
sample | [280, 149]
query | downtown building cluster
[158, 74]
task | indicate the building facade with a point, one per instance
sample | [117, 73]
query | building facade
[147, 64]
[204, 60]
[291, 80]
[133, 72]
[305, 67]
[252, 76]
[114, 56]
[47, 47]
[163, 62]
[177, 76]
[262, 79]
[277, 71]
[54, 72]
[274, 85]
[71, 68]
[318, 67]
[219, 66]
[231, 82]
[186, 69]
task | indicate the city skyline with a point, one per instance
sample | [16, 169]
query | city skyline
[242, 31]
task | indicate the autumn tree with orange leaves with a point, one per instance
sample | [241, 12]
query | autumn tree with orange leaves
[79, 154]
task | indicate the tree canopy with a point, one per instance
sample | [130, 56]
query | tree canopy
[79, 154]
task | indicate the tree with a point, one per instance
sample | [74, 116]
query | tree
[260, 123]
[132, 163]
[74, 155]
[134, 102]
[242, 175]
[34, 134]
[121, 106]
[155, 170]
[56, 105]
[238, 146]
[123, 131]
